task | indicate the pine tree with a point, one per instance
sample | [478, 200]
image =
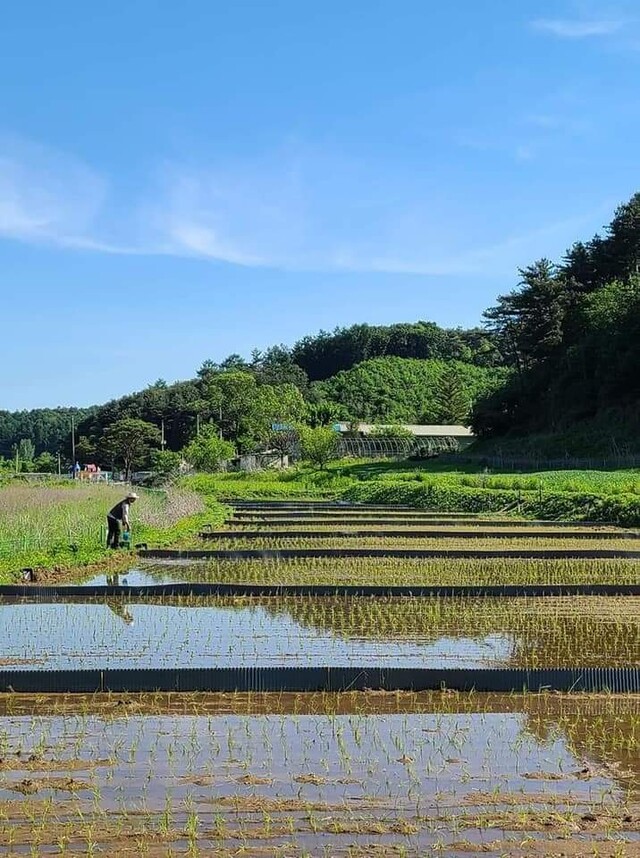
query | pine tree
[452, 402]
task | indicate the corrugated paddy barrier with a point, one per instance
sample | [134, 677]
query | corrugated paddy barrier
[320, 679]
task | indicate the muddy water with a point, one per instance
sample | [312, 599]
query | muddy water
[223, 631]
[308, 783]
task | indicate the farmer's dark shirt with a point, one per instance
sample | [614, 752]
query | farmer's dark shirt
[118, 511]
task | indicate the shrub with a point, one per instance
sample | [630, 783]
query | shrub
[207, 452]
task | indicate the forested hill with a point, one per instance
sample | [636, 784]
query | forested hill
[572, 332]
[556, 368]
[46, 429]
[398, 374]
[325, 354]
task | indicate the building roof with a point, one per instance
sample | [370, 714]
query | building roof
[419, 430]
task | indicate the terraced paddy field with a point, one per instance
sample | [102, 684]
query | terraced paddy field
[466, 526]
[320, 775]
[388, 571]
[342, 531]
[365, 773]
[453, 543]
[397, 518]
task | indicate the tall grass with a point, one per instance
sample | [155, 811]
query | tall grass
[43, 525]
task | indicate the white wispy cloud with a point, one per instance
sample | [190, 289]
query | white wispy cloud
[46, 196]
[567, 28]
[244, 213]
[292, 210]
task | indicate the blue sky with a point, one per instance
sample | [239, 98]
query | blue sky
[183, 180]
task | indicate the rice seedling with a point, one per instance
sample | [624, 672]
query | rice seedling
[381, 542]
[406, 773]
[390, 571]
[353, 523]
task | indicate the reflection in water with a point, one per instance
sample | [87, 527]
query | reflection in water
[604, 733]
[118, 606]
[120, 609]
[572, 631]
[414, 778]
[340, 631]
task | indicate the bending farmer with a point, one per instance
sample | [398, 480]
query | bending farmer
[118, 520]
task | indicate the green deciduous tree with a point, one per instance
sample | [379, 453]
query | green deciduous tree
[26, 451]
[165, 464]
[245, 410]
[85, 450]
[320, 445]
[207, 451]
[129, 442]
[45, 463]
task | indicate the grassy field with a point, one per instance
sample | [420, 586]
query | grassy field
[444, 484]
[63, 525]
[339, 476]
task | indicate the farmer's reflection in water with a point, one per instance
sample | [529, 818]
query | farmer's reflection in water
[116, 605]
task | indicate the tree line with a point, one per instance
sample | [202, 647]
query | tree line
[571, 332]
[243, 399]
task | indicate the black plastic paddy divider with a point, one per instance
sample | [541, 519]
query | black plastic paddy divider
[53, 593]
[320, 505]
[621, 680]
[389, 553]
[339, 512]
[424, 533]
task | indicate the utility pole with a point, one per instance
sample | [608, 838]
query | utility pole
[162, 440]
[73, 446]
[17, 460]
[197, 425]
[59, 465]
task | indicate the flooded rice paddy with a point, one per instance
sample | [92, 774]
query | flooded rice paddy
[337, 541]
[382, 571]
[222, 631]
[318, 776]
[355, 774]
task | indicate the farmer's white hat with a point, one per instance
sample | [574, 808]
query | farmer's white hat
[132, 496]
